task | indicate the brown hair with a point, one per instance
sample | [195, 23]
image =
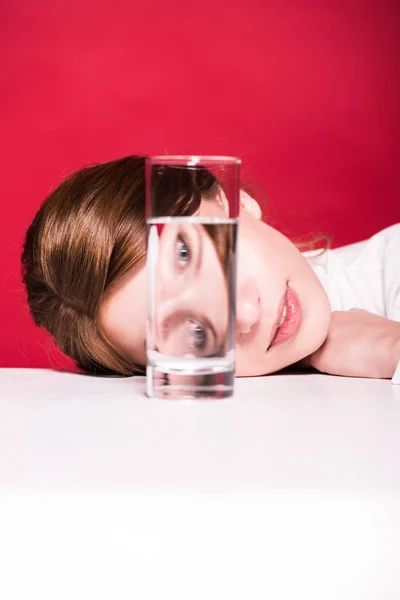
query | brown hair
[86, 235]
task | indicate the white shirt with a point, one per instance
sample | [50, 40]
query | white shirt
[363, 275]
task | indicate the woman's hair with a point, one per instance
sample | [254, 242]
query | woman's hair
[86, 235]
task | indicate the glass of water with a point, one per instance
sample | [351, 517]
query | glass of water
[192, 209]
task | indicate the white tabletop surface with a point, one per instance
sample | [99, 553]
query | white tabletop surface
[290, 489]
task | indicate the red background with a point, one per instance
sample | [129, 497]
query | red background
[307, 93]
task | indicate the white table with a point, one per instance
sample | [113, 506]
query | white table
[289, 490]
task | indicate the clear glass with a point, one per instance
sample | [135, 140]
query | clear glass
[191, 270]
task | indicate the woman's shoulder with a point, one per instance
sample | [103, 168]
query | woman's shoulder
[365, 274]
[375, 247]
[384, 244]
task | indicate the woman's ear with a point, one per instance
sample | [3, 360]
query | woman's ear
[250, 205]
[247, 203]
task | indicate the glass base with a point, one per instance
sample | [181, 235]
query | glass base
[193, 386]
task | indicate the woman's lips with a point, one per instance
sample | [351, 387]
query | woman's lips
[291, 321]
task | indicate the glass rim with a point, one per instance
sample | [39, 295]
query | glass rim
[192, 160]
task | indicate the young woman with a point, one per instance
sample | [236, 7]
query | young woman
[83, 267]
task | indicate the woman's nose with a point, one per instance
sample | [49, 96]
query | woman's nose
[247, 307]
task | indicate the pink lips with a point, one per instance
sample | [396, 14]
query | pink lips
[292, 319]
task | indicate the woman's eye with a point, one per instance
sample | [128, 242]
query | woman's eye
[182, 252]
[190, 337]
[197, 336]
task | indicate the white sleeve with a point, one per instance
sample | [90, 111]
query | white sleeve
[364, 275]
[391, 272]
[391, 281]
[396, 376]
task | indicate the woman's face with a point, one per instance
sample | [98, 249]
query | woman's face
[273, 280]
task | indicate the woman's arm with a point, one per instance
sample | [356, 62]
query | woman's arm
[359, 344]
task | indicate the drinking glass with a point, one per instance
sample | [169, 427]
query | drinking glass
[192, 209]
